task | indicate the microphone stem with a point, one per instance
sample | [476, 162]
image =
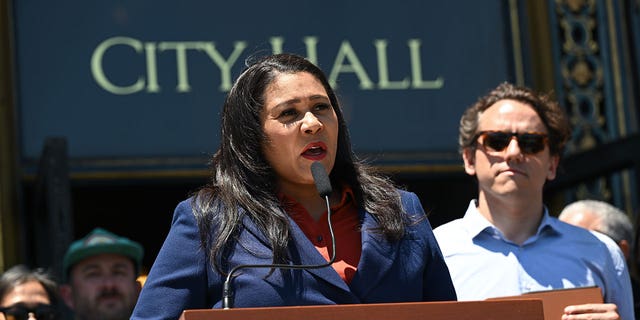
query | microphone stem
[333, 237]
[227, 294]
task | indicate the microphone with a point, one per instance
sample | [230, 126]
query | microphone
[323, 185]
[321, 179]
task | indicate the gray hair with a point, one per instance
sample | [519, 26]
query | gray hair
[613, 221]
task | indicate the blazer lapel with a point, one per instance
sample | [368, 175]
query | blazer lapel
[376, 259]
[302, 252]
[251, 227]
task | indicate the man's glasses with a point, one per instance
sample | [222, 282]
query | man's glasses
[21, 312]
[528, 142]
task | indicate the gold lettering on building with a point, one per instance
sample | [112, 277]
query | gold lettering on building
[97, 69]
[345, 61]
[383, 69]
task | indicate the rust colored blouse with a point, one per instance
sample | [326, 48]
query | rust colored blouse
[346, 228]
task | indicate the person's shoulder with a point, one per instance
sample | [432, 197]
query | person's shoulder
[583, 236]
[572, 232]
[592, 244]
[450, 228]
[611, 245]
[405, 194]
[408, 198]
[186, 204]
[451, 237]
[185, 210]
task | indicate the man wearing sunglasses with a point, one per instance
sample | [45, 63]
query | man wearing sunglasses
[28, 295]
[507, 243]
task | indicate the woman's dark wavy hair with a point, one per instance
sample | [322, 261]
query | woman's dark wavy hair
[243, 184]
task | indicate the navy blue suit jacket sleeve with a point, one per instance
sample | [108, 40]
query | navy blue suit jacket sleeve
[178, 277]
[437, 283]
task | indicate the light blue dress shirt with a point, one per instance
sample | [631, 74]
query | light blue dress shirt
[483, 264]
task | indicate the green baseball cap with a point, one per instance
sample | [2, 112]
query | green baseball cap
[101, 241]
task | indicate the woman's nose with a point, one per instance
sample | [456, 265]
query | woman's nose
[310, 123]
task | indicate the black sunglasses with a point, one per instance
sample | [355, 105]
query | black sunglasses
[21, 312]
[528, 142]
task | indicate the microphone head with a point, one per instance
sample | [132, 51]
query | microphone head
[321, 179]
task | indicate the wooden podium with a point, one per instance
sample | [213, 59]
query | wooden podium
[522, 309]
[554, 301]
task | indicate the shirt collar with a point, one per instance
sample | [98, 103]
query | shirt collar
[292, 206]
[476, 223]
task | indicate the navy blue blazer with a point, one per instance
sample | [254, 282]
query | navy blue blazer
[182, 276]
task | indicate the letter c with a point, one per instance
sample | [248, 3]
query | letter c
[98, 72]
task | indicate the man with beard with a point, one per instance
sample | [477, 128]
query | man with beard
[101, 273]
